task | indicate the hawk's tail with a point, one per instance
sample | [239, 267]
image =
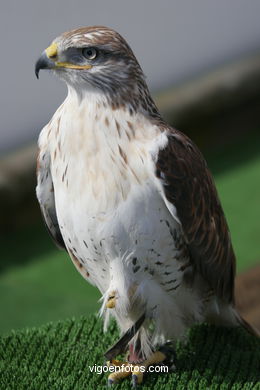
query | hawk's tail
[250, 328]
[228, 316]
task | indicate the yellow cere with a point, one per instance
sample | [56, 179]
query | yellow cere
[52, 50]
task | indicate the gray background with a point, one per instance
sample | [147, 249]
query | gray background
[174, 40]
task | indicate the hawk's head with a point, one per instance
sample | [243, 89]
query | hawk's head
[93, 57]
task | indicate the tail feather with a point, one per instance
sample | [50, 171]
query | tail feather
[250, 328]
[228, 316]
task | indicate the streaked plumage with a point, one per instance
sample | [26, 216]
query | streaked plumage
[130, 198]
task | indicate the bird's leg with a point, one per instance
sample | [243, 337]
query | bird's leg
[165, 355]
[139, 369]
[137, 366]
[122, 369]
[121, 345]
[118, 348]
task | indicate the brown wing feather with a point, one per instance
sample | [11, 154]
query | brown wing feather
[189, 186]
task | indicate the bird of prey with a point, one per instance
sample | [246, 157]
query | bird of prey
[132, 201]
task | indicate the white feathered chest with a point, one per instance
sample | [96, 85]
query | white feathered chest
[109, 204]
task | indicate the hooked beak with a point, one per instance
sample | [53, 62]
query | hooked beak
[44, 62]
[48, 60]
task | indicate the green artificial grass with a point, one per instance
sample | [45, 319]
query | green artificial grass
[58, 357]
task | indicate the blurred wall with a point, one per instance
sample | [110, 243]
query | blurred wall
[173, 39]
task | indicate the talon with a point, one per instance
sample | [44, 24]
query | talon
[110, 382]
[137, 376]
[111, 302]
[172, 368]
[134, 380]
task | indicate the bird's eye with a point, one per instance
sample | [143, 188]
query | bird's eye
[90, 53]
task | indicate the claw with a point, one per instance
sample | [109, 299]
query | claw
[172, 368]
[110, 382]
[137, 376]
[134, 380]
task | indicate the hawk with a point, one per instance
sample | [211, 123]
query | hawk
[132, 201]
